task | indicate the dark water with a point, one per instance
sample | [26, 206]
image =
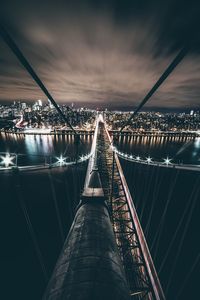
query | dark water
[181, 149]
[37, 148]
[167, 203]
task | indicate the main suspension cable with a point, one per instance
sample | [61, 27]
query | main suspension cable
[18, 53]
[164, 76]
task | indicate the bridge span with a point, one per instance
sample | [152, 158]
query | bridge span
[105, 255]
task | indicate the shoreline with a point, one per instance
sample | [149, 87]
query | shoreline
[49, 133]
[113, 132]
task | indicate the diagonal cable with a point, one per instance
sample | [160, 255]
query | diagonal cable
[185, 212]
[30, 226]
[15, 49]
[56, 207]
[189, 273]
[162, 220]
[156, 190]
[182, 241]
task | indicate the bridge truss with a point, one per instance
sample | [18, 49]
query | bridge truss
[139, 268]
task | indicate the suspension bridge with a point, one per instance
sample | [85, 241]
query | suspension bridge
[105, 254]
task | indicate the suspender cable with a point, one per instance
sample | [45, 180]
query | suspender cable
[15, 49]
[177, 253]
[189, 273]
[56, 207]
[29, 224]
[164, 76]
[178, 227]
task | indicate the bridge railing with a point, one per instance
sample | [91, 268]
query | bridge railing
[166, 163]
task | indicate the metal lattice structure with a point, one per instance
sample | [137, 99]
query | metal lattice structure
[139, 268]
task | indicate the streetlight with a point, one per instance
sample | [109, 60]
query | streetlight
[149, 159]
[61, 160]
[7, 160]
[167, 161]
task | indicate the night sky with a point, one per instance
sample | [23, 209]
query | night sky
[102, 53]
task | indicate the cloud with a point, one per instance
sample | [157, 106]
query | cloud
[89, 57]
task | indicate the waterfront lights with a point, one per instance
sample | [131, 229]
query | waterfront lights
[167, 161]
[149, 159]
[7, 160]
[138, 158]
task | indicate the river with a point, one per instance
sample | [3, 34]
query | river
[182, 149]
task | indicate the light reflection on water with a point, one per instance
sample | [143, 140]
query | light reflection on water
[36, 147]
[196, 150]
[38, 144]
[197, 143]
[181, 148]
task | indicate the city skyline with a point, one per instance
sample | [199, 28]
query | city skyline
[106, 55]
[22, 116]
[103, 106]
